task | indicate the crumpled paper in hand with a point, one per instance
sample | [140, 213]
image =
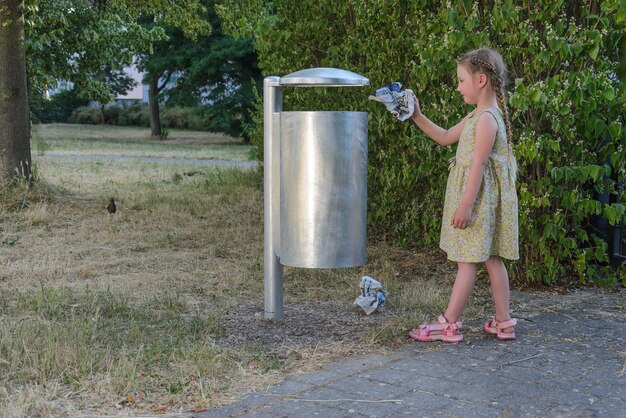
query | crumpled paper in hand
[397, 101]
[372, 297]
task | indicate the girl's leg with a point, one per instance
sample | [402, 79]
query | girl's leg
[463, 286]
[499, 279]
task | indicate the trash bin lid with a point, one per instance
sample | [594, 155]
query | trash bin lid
[328, 77]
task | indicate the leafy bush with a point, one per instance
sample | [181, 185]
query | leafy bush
[204, 118]
[86, 114]
[228, 118]
[175, 117]
[186, 118]
[566, 104]
[134, 115]
[112, 115]
[55, 110]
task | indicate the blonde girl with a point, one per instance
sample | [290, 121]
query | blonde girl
[480, 210]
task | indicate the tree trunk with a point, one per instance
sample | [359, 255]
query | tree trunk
[15, 158]
[153, 100]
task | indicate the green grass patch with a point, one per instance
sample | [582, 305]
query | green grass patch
[132, 142]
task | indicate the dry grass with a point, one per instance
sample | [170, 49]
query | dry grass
[104, 314]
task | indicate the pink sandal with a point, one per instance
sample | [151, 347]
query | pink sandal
[495, 327]
[441, 331]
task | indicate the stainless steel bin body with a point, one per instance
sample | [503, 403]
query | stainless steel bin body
[323, 189]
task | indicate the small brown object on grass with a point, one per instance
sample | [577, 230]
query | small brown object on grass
[111, 206]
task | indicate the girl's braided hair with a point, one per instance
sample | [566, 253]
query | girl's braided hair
[490, 62]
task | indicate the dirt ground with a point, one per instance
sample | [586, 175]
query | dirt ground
[304, 324]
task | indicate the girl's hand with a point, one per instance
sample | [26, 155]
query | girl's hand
[417, 110]
[461, 218]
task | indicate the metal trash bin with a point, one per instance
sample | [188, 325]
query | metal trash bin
[323, 189]
[315, 179]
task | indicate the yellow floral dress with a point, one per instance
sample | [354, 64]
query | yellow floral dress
[493, 227]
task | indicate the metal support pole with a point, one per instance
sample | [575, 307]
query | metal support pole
[273, 270]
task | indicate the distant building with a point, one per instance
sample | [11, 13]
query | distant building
[62, 85]
[141, 92]
[138, 94]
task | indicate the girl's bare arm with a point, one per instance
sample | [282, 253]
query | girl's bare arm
[486, 129]
[438, 134]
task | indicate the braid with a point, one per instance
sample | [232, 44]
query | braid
[505, 113]
[507, 123]
[493, 75]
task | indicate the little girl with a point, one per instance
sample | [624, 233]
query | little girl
[480, 210]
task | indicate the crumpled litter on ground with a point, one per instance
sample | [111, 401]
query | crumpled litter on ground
[372, 297]
[399, 102]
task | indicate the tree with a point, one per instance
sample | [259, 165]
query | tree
[164, 59]
[154, 89]
[15, 158]
[159, 65]
[217, 71]
[70, 39]
[76, 41]
[116, 81]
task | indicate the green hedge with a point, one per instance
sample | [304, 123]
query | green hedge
[56, 109]
[135, 115]
[85, 115]
[566, 103]
[194, 118]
